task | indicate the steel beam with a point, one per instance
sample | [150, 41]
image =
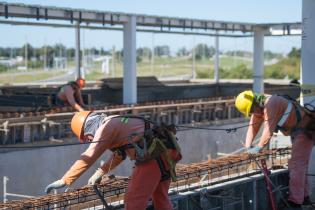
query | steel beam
[37, 13]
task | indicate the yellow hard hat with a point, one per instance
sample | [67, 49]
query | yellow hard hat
[77, 123]
[244, 102]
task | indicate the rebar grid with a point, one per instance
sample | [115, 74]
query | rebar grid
[38, 126]
[189, 177]
[198, 103]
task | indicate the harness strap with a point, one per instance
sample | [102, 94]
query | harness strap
[285, 115]
[298, 114]
[144, 150]
[165, 175]
[121, 150]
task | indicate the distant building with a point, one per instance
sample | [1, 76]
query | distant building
[60, 62]
[105, 64]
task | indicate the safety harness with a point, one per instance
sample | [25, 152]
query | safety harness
[73, 84]
[155, 144]
[61, 89]
[292, 103]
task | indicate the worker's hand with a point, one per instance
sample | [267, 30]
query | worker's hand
[55, 185]
[254, 150]
[96, 177]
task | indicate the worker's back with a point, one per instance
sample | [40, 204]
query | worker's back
[70, 94]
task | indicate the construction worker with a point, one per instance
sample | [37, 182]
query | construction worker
[70, 94]
[155, 151]
[284, 114]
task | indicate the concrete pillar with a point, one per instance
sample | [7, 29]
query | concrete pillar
[77, 51]
[5, 181]
[308, 47]
[193, 67]
[216, 61]
[307, 69]
[258, 63]
[130, 72]
[152, 55]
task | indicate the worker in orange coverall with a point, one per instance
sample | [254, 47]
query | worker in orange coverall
[70, 94]
[284, 114]
[150, 178]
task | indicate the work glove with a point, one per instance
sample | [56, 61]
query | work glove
[254, 150]
[55, 185]
[96, 177]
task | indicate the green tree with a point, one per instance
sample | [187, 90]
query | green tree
[3, 68]
[182, 52]
[294, 53]
[29, 49]
[202, 51]
[163, 50]
[239, 72]
[70, 53]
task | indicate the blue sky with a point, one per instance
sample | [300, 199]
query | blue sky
[266, 11]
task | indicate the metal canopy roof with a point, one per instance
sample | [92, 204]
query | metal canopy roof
[93, 19]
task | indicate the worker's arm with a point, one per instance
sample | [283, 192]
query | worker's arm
[79, 97]
[114, 160]
[110, 164]
[253, 128]
[273, 111]
[101, 142]
[69, 92]
[93, 152]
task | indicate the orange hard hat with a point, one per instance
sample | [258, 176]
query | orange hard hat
[81, 82]
[77, 124]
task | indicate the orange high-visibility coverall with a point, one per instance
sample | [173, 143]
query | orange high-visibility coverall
[302, 140]
[145, 181]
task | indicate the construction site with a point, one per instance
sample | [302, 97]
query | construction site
[216, 171]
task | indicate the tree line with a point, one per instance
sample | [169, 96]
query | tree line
[287, 66]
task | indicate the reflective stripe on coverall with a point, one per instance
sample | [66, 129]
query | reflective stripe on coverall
[274, 109]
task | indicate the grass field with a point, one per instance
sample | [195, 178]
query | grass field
[162, 67]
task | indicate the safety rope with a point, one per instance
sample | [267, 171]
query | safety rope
[228, 130]
[69, 144]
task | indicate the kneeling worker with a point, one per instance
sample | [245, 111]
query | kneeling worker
[155, 151]
[70, 94]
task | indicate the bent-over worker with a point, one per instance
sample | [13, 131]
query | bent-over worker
[281, 113]
[155, 151]
[70, 94]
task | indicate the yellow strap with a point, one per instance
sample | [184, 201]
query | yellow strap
[174, 141]
[169, 160]
[152, 146]
[165, 154]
